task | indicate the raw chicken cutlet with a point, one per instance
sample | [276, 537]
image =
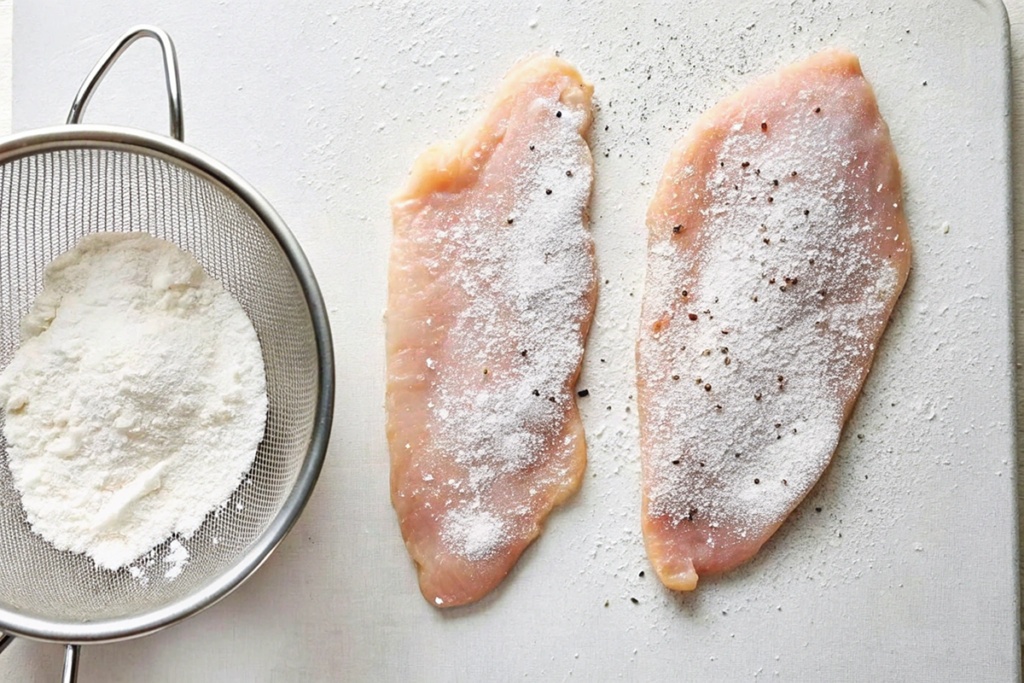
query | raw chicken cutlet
[491, 292]
[777, 249]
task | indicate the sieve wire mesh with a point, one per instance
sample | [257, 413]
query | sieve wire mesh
[48, 201]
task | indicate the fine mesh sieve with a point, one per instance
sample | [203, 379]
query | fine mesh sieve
[59, 184]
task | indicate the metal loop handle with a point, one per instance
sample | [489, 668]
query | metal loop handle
[108, 59]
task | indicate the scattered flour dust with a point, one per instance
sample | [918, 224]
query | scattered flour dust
[176, 557]
[136, 402]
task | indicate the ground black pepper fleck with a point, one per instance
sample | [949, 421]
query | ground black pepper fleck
[634, 601]
[757, 481]
[583, 393]
[536, 392]
[764, 125]
[510, 221]
[568, 174]
[558, 114]
[641, 573]
[547, 191]
[707, 387]
[676, 228]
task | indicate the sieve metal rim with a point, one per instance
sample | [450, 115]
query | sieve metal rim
[121, 138]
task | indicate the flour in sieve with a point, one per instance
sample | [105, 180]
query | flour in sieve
[136, 401]
[177, 557]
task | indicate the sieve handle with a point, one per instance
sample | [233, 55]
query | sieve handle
[71, 655]
[116, 50]
[70, 674]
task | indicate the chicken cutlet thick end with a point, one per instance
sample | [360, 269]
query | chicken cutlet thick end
[453, 165]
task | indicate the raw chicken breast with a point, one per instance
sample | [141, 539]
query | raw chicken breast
[777, 249]
[491, 292]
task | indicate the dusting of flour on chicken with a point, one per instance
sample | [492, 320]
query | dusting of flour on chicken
[777, 250]
[491, 292]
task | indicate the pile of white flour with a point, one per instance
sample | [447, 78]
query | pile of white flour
[136, 402]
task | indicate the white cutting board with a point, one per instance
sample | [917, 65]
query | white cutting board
[909, 570]
[6, 29]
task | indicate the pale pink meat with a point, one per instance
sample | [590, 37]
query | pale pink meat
[491, 292]
[777, 250]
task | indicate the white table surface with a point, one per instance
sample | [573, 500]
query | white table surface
[298, 618]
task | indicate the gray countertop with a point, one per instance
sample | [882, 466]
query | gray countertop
[1015, 9]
